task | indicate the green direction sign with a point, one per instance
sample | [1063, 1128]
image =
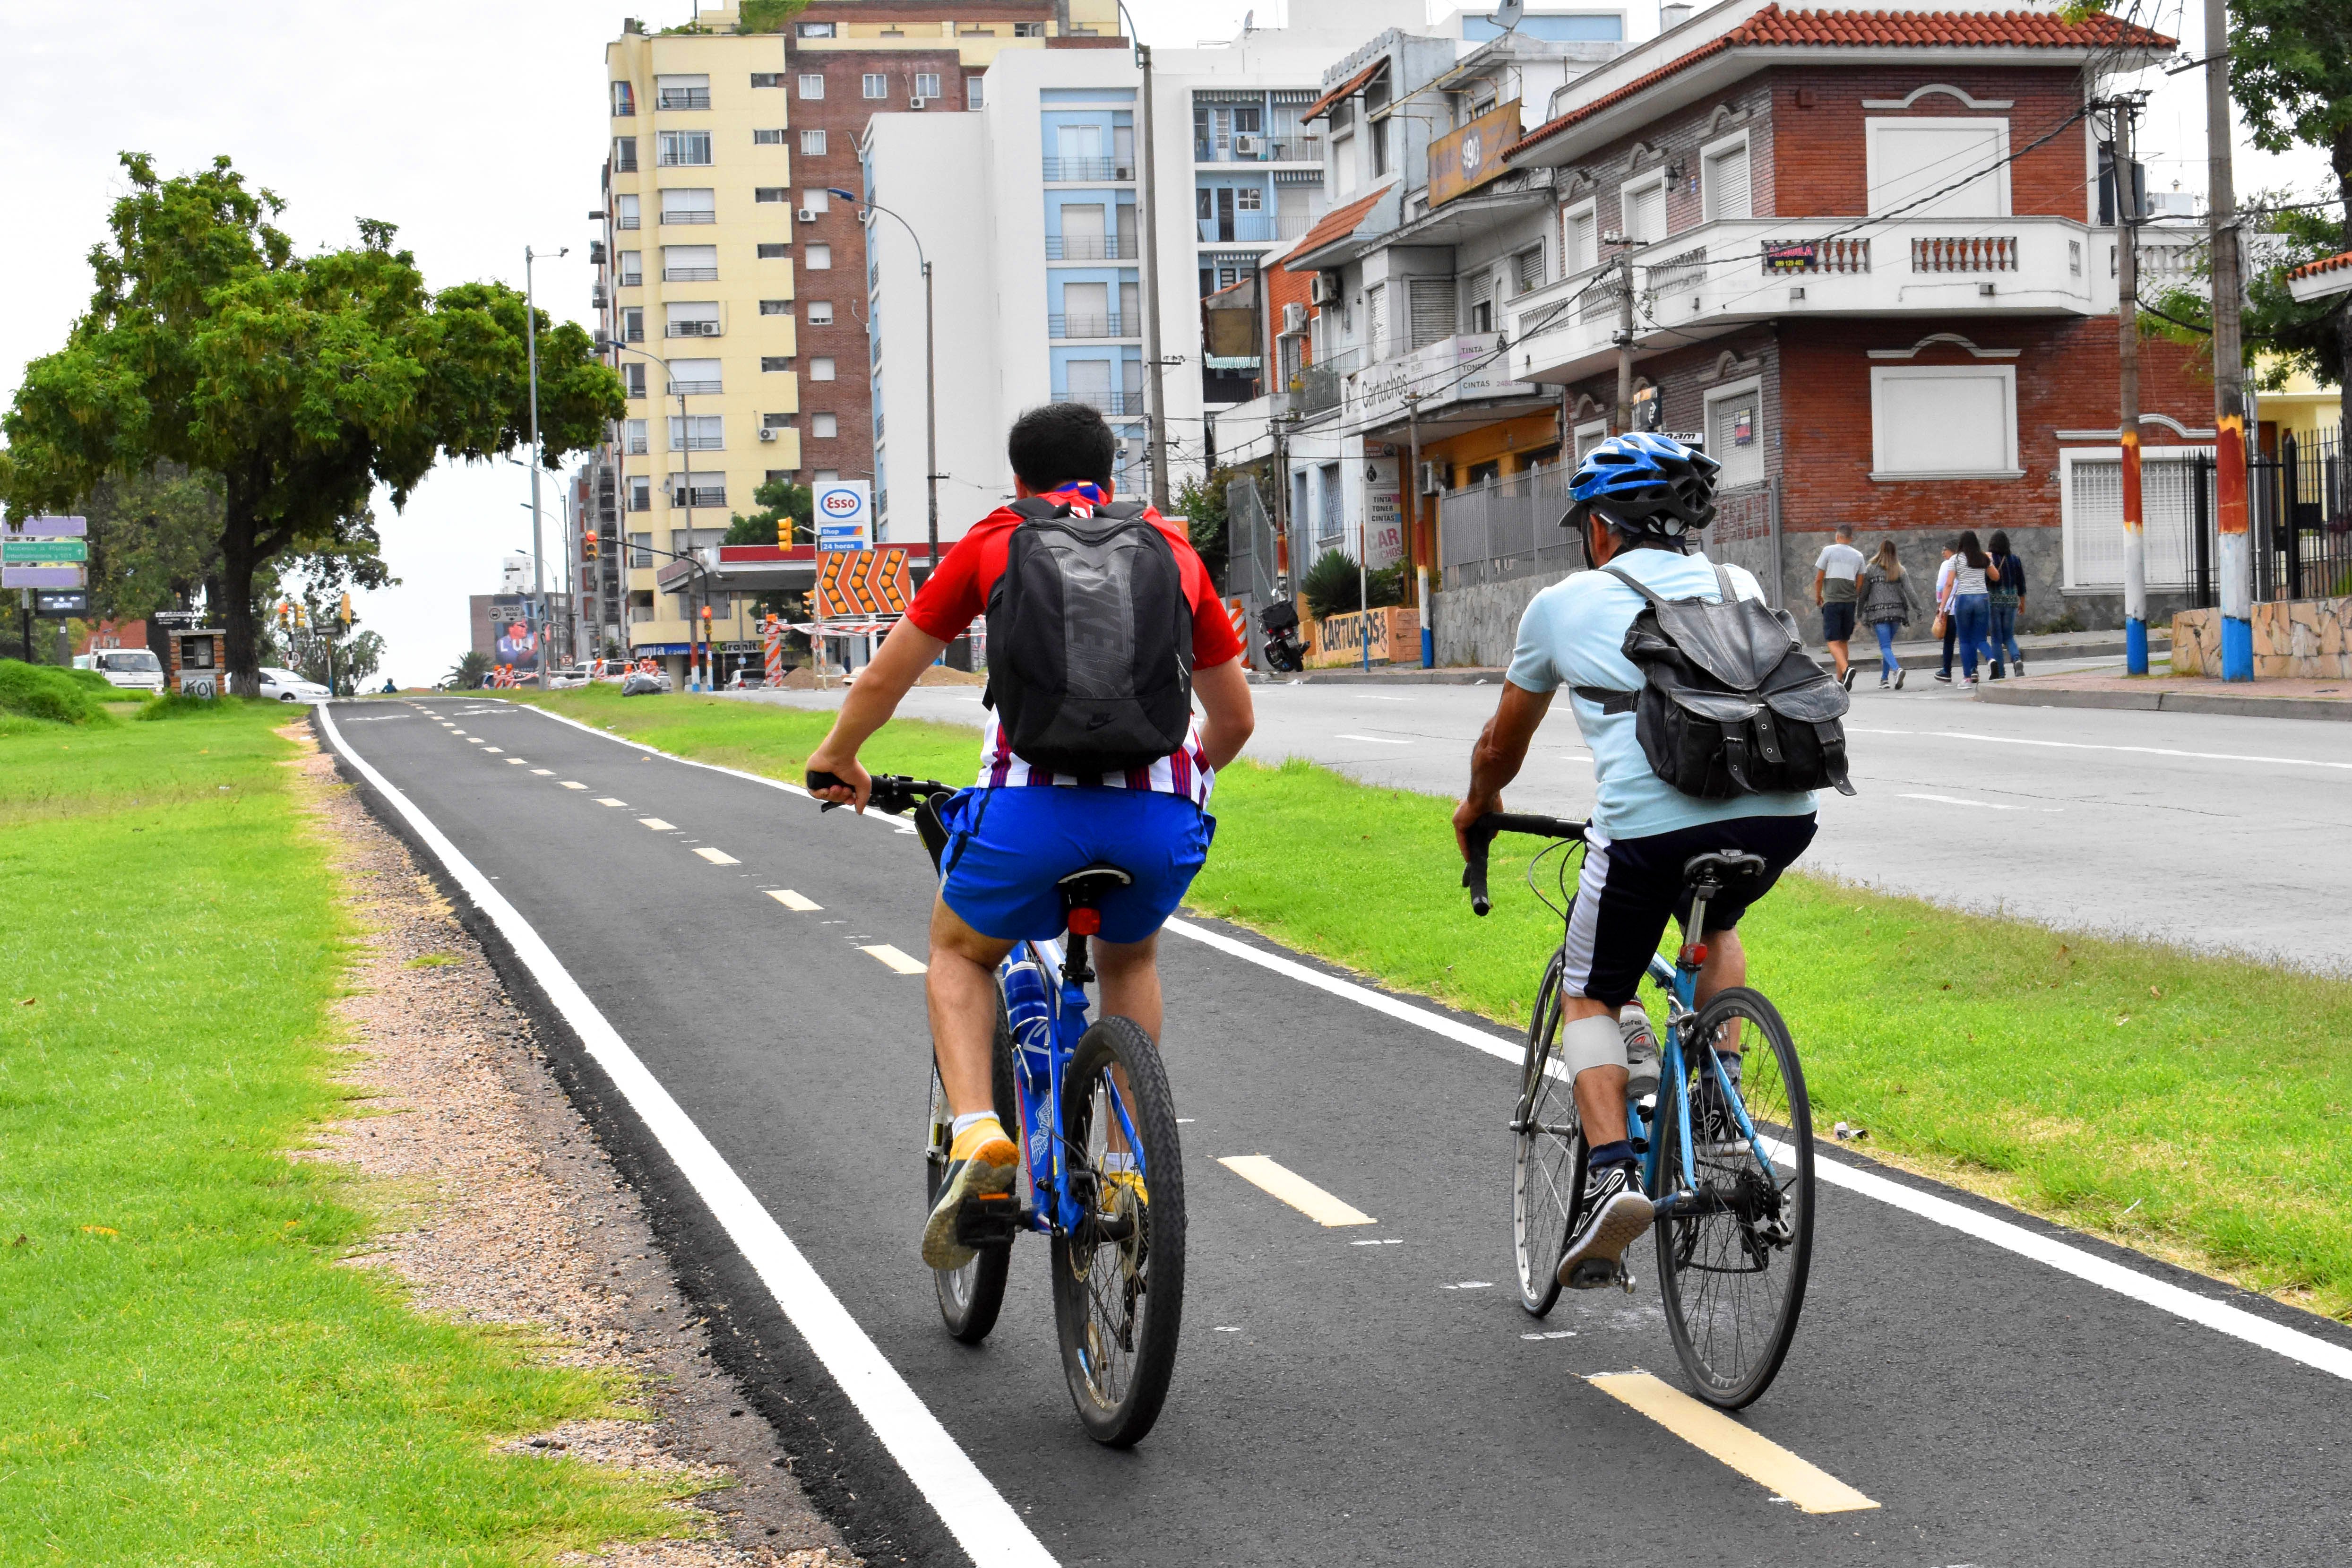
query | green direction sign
[43, 552]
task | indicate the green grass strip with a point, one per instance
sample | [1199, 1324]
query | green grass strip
[2187, 1105]
[185, 1373]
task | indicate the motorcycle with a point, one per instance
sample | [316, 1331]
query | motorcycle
[1284, 654]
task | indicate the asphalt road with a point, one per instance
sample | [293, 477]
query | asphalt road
[1334, 1403]
[2219, 834]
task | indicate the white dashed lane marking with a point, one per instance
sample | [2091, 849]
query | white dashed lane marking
[544, 773]
[518, 761]
[1375, 740]
[718, 857]
[656, 824]
[898, 962]
[573, 783]
[608, 800]
[792, 901]
[1295, 1189]
[490, 751]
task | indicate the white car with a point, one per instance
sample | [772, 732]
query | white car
[287, 687]
[132, 668]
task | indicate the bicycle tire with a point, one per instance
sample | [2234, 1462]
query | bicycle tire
[970, 1297]
[1547, 1159]
[1118, 1304]
[1731, 1338]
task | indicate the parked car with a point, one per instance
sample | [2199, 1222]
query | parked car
[132, 668]
[285, 686]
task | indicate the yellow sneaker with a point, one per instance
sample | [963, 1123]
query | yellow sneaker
[980, 1163]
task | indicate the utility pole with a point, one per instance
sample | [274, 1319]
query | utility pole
[537, 558]
[2229, 362]
[1624, 415]
[2127, 185]
[1424, 538]
[1156, 424]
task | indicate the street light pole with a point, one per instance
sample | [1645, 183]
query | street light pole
[537, 558]
[686, 456]
[930, 371]
[1156, 421]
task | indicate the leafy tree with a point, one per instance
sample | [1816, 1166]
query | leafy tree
[468, 671]
[2283, 336]
[299, 383]
[767, 15]
[1202, 503]
[1331, 586]
[777, 499]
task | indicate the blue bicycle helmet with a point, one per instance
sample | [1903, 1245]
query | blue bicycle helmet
[1642, 483]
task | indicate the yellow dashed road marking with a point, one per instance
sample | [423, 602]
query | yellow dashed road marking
[608, 800]
[1811, 1489]
[544, 773]
[792, 901]
[718, 857]
[899, 961]
[658, 824]
[573, 783]
[1295, 1189]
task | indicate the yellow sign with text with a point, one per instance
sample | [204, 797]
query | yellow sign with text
[1469, 156]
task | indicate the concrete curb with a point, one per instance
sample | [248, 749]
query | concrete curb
[2026, 694]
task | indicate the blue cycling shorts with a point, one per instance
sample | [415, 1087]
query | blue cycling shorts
[1008, 847]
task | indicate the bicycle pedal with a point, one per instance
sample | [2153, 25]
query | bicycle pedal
[988, 1221]
[1625, 1279]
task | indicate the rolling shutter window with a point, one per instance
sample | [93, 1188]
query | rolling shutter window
[1734, 438]
[688, 206]
[1908, 159]
[1376, 313]
[1725, 180]
[1531, 271]
[1580, 243]
[1431, 301]
[1646, 211]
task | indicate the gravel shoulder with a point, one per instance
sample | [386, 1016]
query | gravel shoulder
[502, 1208]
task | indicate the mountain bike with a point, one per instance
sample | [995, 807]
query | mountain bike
[1100, 1176]
[1734, 1189]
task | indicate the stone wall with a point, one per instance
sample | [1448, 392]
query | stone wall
[1480, 626]
[2302, 639]
[2046, 608]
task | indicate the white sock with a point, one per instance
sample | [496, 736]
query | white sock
[957, 1128]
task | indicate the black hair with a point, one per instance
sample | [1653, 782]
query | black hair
[1966, 546]
[1998, 544]
[1060, 444]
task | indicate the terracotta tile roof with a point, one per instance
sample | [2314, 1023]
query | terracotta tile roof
[1774, 28]
[1334, 225]
[2326, 264]
[1353, 83]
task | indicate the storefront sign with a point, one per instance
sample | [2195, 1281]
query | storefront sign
[1464, 159]
[1383, 513]
[1394, 633]
[843, 510]
[1451, 370]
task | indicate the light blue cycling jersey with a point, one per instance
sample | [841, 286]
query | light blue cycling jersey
[1573, 634]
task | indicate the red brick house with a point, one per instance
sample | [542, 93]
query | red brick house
[1868, 267]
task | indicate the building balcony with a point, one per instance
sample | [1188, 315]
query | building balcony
[1086, 171]
[632, 280]
[1252, 149]
[690, 329]
[1719, 275]
[1093, 325]
[701, 498]
[1089, 247]
[689, 275]
[1253, 229]
[684, 98]
[700, 443]
[701, 214]
[697, 389]
[1117, 404]
[688, 158]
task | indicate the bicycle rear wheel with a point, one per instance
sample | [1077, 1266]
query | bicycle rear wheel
[1732, 1270]
[1118, 1279]
[970, 1297]
[1548, 1168]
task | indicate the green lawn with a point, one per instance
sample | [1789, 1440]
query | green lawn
[2189, 1106]
[186, 1374]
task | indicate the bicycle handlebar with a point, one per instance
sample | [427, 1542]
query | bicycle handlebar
[1482, 836]
[894, 794]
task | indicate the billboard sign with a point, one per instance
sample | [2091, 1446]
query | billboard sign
[40, 577]
[843, 510]
[514, 625]
[1383, 513]
[18, 551]
[1472, 155]
[54, 528]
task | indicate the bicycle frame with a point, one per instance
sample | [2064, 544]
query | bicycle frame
[1679, 980]
[1046, 1030]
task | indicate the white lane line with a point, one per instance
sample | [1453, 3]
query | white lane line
[476, 741]
[658, 824]
[573, 783]
[608, 800]
[718, 857]
[544, 773]
[1719, 1437]
[2165, 1296]
[490, 751]
[897, 962]
[985, 1525]
[792, 901]
[1375, 740]
[2093, 746]
[1982, 805]
[1295, 1189]
[516, 762]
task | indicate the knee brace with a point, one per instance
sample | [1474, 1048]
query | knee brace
[1590, 1043]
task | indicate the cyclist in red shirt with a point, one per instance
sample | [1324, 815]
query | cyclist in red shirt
[1022, 827]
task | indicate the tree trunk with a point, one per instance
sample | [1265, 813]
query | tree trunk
[236, 599]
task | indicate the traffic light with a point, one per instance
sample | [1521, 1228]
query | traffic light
[588, 545]
[784, 531]
[345, 615]
[301, 620]
[285, 615]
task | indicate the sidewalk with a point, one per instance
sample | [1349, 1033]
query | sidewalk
[2177, 694]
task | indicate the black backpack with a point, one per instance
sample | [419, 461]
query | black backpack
[1089, 640]
[1730, 705]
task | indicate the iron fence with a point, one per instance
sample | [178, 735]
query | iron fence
[1505, 527]
[2301, 502]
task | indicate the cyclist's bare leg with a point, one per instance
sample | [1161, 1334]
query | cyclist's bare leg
[1725, 966]
[1600, 1091]
[960, 990]
[1130, 980]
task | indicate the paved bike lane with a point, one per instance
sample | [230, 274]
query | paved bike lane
[1334, 1401]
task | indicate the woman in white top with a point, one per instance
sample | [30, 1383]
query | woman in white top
[1970, 601]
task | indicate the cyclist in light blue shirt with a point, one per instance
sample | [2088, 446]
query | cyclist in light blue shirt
[1638, 501]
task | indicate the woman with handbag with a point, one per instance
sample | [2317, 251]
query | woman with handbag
[1886, 604]
[2007, 602]
[1970, 607]
[1943, 622]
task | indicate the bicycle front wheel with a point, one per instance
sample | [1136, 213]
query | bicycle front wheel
[1732, 1267]
[1118, 1277]
[970, 1297]
[1548, 1167]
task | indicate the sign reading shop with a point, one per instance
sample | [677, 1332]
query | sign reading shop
[1469, 156]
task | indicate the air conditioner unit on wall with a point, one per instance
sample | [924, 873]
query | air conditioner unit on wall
[1249, 146]
[766, 433]
[919, 103]
[1293, 317]
[806, 214]
[1432, 478]
[1323, 289]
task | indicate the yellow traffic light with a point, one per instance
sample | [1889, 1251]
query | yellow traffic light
[346, 614]
[783, 533]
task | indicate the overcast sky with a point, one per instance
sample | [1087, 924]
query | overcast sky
[476, 128]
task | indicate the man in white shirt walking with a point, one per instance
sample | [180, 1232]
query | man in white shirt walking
[1837, 589]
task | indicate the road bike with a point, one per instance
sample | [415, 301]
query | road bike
[1100, 1176]
[1732, 1179]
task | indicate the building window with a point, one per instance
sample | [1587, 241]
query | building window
[632, 326]
[1028, 29]
[1909, 158]
[813, 143]
[811, 85]
[685, 148]
[1580, 240]
[774, 250]
[1723, 180]
[683, 206]
[774, 138]
[778, 421]
[775, 307]
[637, 437]
[695, 319]
[812, 29]
[632, 269]
[773, 363]
[1931, 421]
[1529, 264]
[766, 78]
[927, 84]
[698, 432]
[624, 100]
[695, 377]
[628, 213]
[772, 194]
[825, 476]
[820, 312]
[824, 426]
[876, 84]
[641, 499]
[976, 92]
[690, 263]
[625, 155]
[821, 369]
[632, 377]
[691, 490]
[816, 200]
[816, 257]
[1735, 434]
[1642, 207]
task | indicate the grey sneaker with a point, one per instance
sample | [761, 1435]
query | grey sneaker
[1615, 1213]
[1641, 1051]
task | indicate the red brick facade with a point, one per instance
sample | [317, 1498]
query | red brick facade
[1819, 159]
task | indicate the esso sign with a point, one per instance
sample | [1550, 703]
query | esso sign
[842, 505]
[845, 514]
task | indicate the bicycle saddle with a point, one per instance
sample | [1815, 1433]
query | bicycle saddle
[1087, 883]
[1723, 867]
